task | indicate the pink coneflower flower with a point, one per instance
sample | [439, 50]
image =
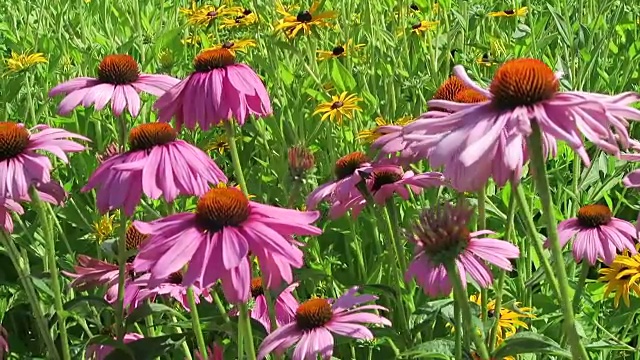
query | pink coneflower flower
[90, 273]
[285, 306]
[219, 89]
[100, 352]
[51, 192]
[7, 207]
[441, 235]
[597, 234]
[316, 319]
[215, 241]
[344, 188]
[157, 164]
[525, 89]
[385, 180]
[170, 287]
[216, 354]
[119, 81]
[4, 343]
[21, 166]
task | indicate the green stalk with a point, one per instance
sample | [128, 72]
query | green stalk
[457, 316]
[577, 296]
[493, 336]
[481, 225]
[47, 233]
[220, 306]
[122, 260]
[534, 144]
[390, 209]
[195, 321]
[30, 292]
[235, 158]
[245, 327]
[460, 295]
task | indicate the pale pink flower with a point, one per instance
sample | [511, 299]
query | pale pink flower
[100, 352]
[597, 235]
[317, 319]
[441, 235]
[7, 208]
[218, 90]
[215, 241]
[170, 287]
[285, 305]
[119, 81]
[21, 166]
[157, 164]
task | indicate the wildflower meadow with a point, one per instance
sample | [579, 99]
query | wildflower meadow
[319, 180]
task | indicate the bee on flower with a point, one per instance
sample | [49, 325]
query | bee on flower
[343, 50]
[340, 106]
[304, 21]
[372, 134]
[235, 46]
[510, 13]
[22, 61]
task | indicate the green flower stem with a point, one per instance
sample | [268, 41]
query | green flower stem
[460, 295]
[577, 296]
[220, 306]
[457, 316]
[390, 209]
[235, 158]
[534, 144]
[245, 327]
[30, 292]
[532, 233]
[122, 273]
[481, 225]
[493, 336]
[195, 321]
[50, 246]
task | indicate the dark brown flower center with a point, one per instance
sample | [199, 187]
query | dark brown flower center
[247, 12]
[384, 177]
[509, 12]
[212, 14]
[348, 164]
[523, 82]
[443, 232]
[256, 287]
[146, 136]
[175, 278]
[301, 160]
[414, 7]
[469, 96]
[118, 69]
[337, 105]
[213, 59]
[592, 216]
[338, 50]
[14, 139]
[304, 16]
[313, 314]
[416, 26]
[228, 45]
[221, 207]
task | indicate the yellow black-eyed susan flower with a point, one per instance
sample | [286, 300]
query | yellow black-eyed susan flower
[219, 144]
[340, 106]
[486, 60]
[20, 62]
[371, 135]
[423, 26]
[235, 46]
[622, 278]
[509, 320]
[339, 51]
[510, 13]
[203, 15]
[238, 17]
[304, 21]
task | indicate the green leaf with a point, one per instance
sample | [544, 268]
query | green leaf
[341, 77]
[147, 348]
[147, 309]
[529, 343]
[434, 349]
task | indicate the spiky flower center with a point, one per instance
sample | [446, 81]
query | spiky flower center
[175, 278]
[213, 59]
[146, 136]
[443, 232]
[133, 239]
[14, 139]
[348, 164]
[304, 16]
[449, 89]
[384, 177]
[221, 207]
[338, 50]
[256, 287]
[523, 82]
[301, 160]
[118, 69]
[313, 314]
[469, 96]
[592, 216]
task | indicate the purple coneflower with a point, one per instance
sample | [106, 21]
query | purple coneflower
[7, 207]
[219, 89]
[597, 234]
[4, 342]
[215, 241]
[316, 319]
[100, 352]
[385, 180]
[170, 287]
[21, 166]
[344, 187]
[285, 306]
[157, 164]
[119, 81]
[90, 273]
[441, 236]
